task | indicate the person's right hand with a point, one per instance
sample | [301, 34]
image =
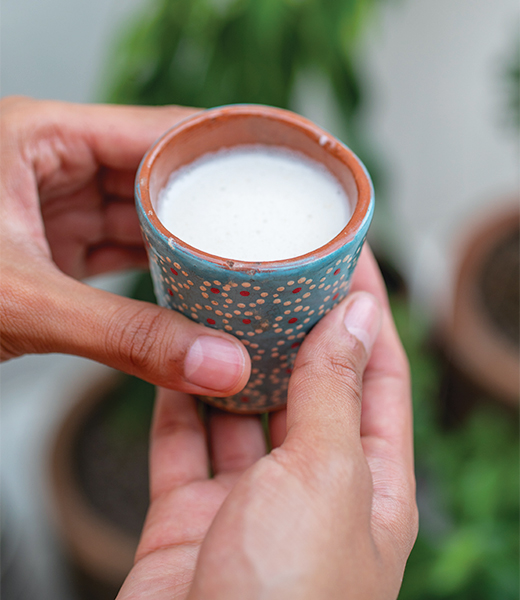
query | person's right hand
[66, 213]
[329, 514]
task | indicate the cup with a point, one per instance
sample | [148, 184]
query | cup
[269, 306]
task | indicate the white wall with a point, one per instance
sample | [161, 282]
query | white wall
[57, 48]
[436, 67]
[49, 49]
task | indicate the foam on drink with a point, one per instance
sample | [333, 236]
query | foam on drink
[254, 203]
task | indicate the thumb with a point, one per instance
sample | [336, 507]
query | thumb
[325, 390]
[142, 339]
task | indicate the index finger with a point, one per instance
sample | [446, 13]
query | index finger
[120, 135]
[387, 408]
[113, 136]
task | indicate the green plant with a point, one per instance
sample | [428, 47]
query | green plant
[212, 52]
[468, 483]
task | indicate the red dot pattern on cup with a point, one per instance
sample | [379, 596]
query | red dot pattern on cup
[270, 315]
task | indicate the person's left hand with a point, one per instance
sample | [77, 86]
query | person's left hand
[67, 212]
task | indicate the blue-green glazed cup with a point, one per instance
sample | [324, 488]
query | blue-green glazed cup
[269, 306]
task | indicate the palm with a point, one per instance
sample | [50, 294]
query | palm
[184, 499]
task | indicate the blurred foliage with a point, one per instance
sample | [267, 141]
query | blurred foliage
[511, 74]
[129, 408]
[468, 490]
[212, 52]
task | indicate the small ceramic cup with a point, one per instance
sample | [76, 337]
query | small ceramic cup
[269, 306]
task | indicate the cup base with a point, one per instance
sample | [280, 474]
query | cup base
[235, 404]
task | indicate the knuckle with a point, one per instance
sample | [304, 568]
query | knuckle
[413, 521]
[342, 367]
[326, 469]
[140, 336]
[403, 522]
[338, 369]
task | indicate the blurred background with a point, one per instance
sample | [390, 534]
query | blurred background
[427, 93]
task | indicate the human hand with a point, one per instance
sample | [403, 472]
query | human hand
[329, 514]
[67, 212]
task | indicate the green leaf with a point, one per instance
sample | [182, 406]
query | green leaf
[459, 561]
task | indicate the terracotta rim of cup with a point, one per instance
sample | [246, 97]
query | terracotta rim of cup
[316, 134]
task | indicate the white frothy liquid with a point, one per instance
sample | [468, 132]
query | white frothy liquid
[254, 203]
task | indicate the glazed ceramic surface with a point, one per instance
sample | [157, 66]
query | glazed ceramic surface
[269, 306]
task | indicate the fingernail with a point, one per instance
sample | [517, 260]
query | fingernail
[363, 318]
[214, 363]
